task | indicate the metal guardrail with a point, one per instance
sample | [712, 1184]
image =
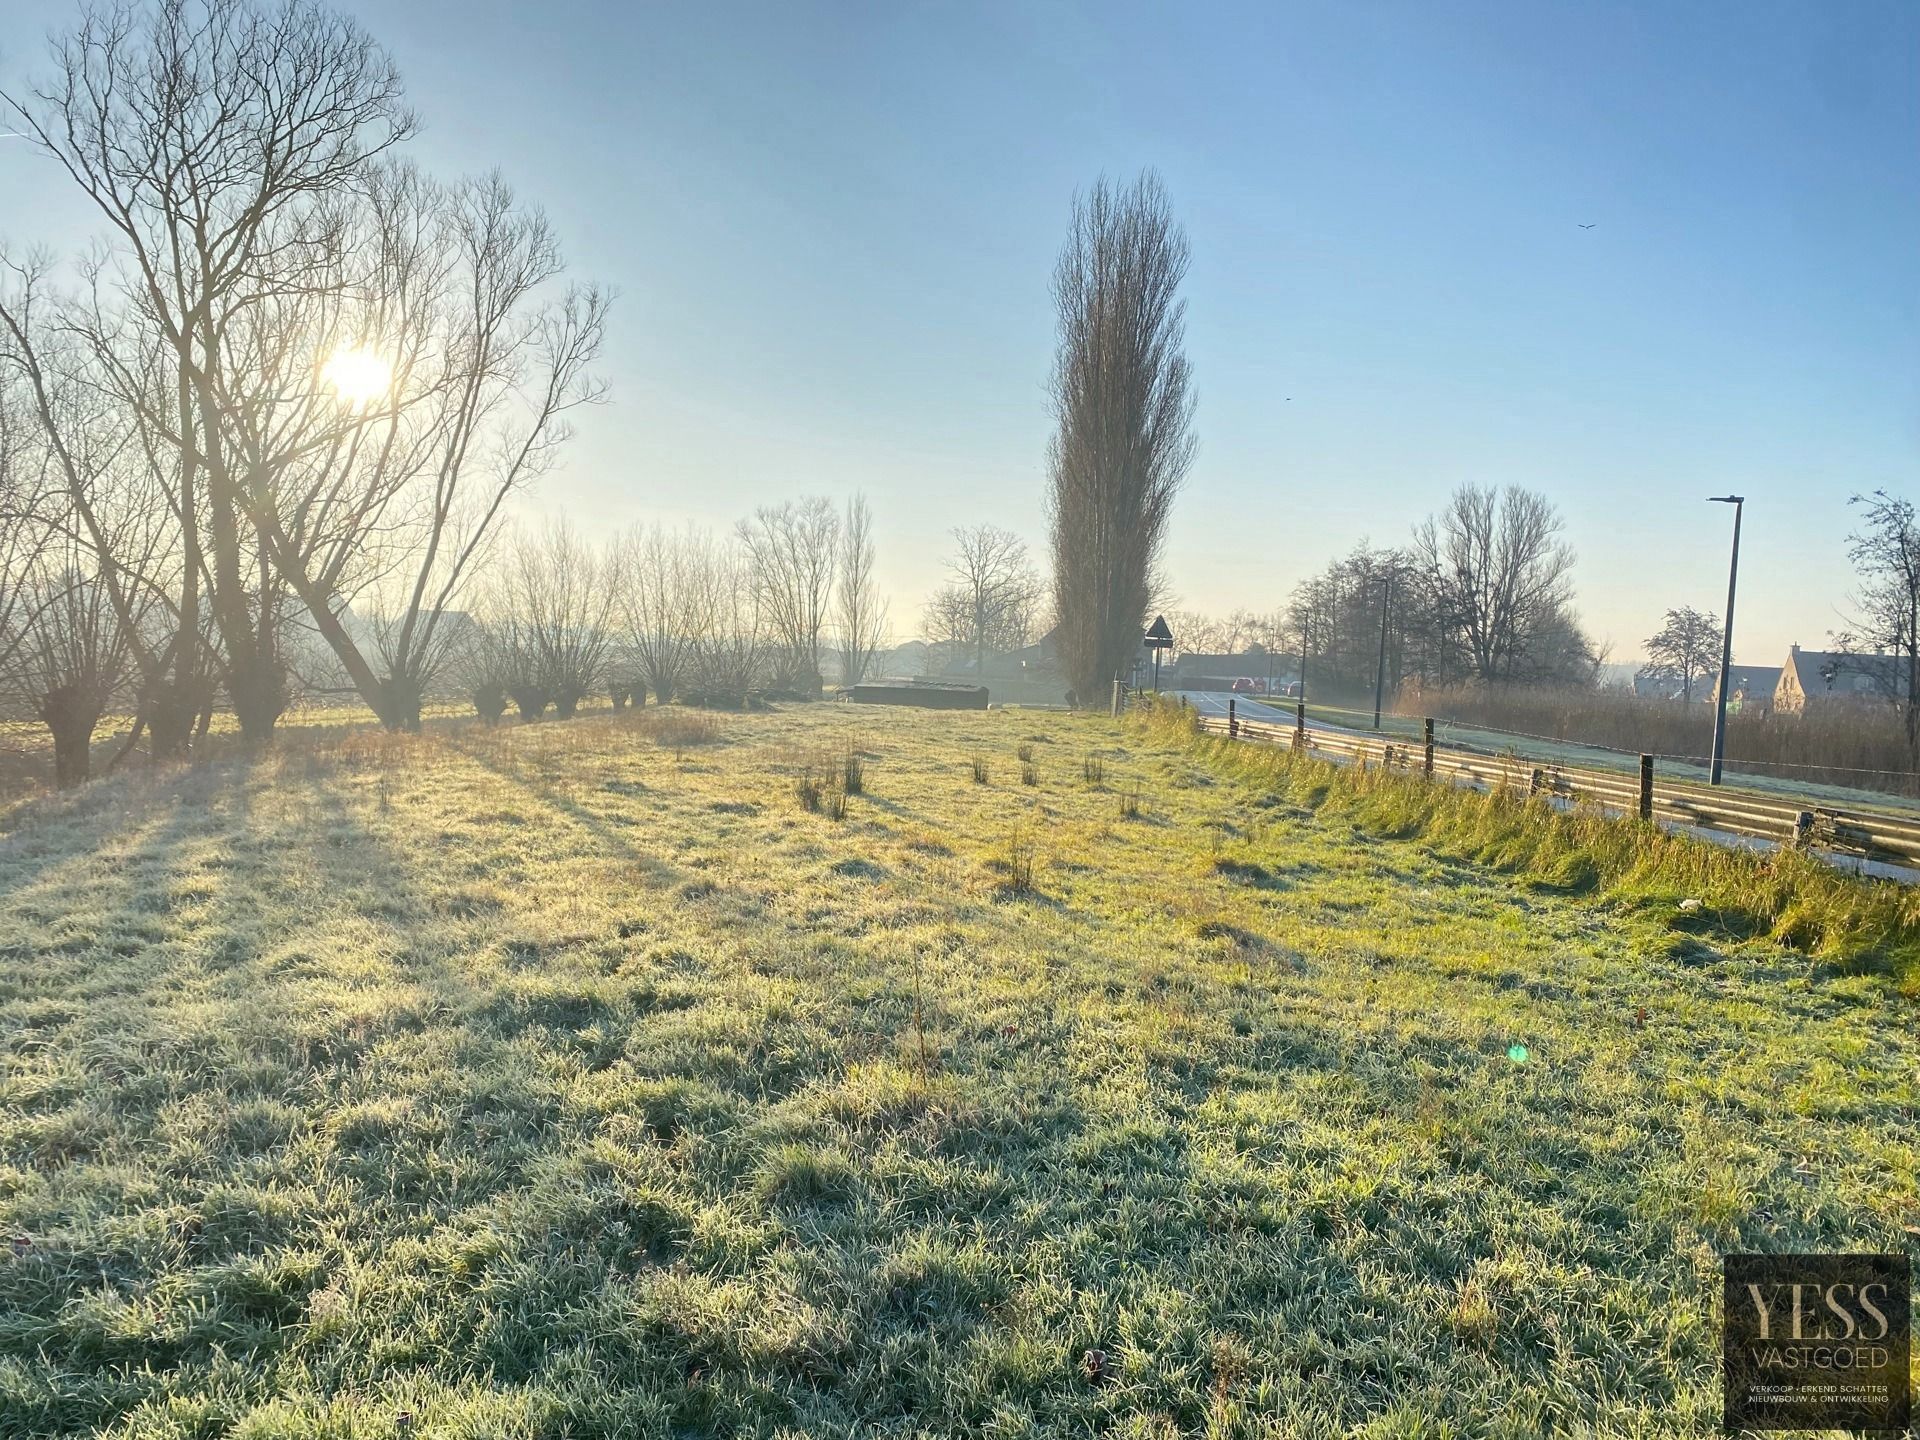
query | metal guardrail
[1868, 834]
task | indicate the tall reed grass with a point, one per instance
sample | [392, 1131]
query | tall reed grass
[1859, 744]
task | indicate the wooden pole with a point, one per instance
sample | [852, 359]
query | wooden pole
[1646, 787]
[1428, 761]
[1300, 725]
[1380, 675]
[1233, 719]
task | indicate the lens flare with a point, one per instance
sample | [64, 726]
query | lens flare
[357, 375]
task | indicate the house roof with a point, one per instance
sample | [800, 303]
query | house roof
[1835, 671]
[1750, 680]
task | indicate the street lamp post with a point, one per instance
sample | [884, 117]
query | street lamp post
[1726, 639]
[1380, 673]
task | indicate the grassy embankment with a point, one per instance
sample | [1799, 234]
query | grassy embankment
[561, 1082]
[1786, 896]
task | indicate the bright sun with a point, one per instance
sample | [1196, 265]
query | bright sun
[357, 375]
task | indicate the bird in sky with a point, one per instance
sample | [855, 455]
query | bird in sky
[1588, 227]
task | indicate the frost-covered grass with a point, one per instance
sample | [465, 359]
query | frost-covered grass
[573, 1081]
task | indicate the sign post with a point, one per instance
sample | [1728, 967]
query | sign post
[1157, 638]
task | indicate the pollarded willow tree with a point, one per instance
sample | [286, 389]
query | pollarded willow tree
[1123, 405]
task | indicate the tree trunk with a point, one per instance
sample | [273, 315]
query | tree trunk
[398, 705]
[259, 697]
[171, 708]
[67, 712]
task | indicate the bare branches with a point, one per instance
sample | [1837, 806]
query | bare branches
[1500, 580]
[860, 612]
[732, 640]
[259, 232]
[988, 605]
[1885, 551]
[791, 552]
[661, 592]
[1684, 650]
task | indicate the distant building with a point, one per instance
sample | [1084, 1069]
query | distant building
[1813, 678]
[1748, 686]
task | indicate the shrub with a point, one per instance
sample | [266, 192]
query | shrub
[1093, 771]
[808, 791]
[979, 770]
[675, 727]
[853, 775]
[1017, 862]
[1029, 775]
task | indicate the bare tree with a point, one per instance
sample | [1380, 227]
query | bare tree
[858, 608]
[987, 606]
[791, 549]
[403, 507]
[212, 135]
[1500, 580]
[487, 661]
[1885, 551]
[558, 600]
[24, 483]
[117, 487]
[341, 369]
[659, 600]
[71, 660]
[731, 641]
[1685, 648]
[1123, 404]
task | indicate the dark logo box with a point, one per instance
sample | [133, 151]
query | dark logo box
[1817, 1342]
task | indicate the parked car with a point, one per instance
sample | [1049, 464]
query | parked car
[1243, 686]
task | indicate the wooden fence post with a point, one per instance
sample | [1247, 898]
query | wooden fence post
[1428, 762]
[1233, 719]
[1119, 695]
[1646, 787]
[1300, 726]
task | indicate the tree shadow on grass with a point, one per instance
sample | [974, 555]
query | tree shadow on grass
[609, 835]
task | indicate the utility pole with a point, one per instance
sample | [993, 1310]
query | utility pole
[1380, 673]
[1726, 639]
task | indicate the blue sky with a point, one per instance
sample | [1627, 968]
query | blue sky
[832, 228]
